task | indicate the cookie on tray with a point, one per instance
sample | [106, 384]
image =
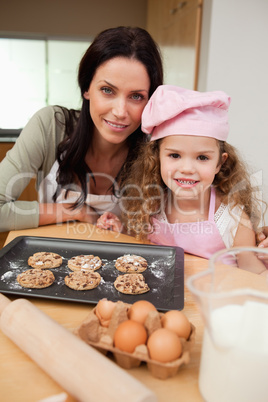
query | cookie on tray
[82, 280]
[131, 263]
[36, 278]
[84, 262]
[131, 284]
[45, 260]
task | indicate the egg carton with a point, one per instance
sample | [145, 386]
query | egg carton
[94, 334]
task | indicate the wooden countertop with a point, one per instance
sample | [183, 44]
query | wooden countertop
[22, 380]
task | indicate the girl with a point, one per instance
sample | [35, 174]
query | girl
[80, 157]
[188, 187]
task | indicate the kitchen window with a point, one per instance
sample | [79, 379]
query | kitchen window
[35, 73]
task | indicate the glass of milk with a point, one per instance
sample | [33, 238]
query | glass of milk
[233, 299]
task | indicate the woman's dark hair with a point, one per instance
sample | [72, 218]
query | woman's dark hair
[128, 42]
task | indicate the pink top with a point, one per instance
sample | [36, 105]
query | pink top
[199, 238]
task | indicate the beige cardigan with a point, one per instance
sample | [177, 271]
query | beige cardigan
[32, 155]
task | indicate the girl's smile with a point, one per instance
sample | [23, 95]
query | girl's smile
[186, 183]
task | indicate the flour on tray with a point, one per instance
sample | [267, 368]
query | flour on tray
[9, 277]
[158, 267]
[17, 264]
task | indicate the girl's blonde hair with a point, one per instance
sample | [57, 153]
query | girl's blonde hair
[144, 192]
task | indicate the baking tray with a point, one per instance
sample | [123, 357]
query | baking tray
[164, 275]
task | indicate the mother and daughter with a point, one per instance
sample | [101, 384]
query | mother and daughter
[91, 161]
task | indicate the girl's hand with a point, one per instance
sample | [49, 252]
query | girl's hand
[108, 220]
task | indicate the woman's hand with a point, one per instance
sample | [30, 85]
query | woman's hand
[108, 220]
[86, 214]
[262, 242]
[61, 212]
[262, 237]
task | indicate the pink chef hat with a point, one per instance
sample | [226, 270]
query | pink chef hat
[174, 110]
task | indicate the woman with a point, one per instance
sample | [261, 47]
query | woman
[80, 158]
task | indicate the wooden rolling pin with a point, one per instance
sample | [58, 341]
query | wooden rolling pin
[81, 370]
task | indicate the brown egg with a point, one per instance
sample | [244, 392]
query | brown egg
[176, 321]
[164, 345]
[128, 335]
[139, 310]
[104, 311]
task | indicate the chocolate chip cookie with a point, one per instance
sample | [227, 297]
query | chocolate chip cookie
[45, 260]
[132, 284]
[131, 263]
[84, 262]
[82, 280]
[36, 278]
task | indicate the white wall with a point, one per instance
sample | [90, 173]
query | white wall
[234, 58]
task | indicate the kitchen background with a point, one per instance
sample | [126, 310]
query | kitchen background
[206, 44]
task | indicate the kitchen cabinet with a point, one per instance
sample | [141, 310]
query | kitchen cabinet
[176, 27]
